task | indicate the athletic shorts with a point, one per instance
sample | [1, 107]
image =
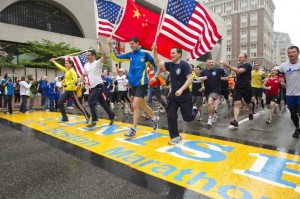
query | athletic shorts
[271, 98]
[293, 101]
[257, 92]
[213, 95]
[225, 93]
[165, 91]
[197, 100]
[240, 93]
[140, 91]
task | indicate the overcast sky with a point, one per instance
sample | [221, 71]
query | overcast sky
[286, 19]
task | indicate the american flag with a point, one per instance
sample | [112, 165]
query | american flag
[107, 12]
[79, 62]
[188, 24]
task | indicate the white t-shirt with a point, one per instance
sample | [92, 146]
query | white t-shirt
[94, 71]
[122, 82]
[292, 76]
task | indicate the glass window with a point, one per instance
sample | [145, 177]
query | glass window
[40, 15]
[244, 20]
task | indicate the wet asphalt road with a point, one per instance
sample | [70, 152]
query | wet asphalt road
[33, 165]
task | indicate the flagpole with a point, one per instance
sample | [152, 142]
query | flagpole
[160, 20]
[71, 54]
[114, 29]
[96, 22]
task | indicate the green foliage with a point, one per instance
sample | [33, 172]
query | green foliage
[42, 52]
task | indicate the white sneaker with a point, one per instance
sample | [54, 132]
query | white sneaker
[111, 105]
[209, 122]
[214, 118]
[175, 140]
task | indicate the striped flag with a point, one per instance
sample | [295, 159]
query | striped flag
[79, 62]
[187, 25]
[107, 13]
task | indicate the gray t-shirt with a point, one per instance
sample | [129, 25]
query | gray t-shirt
[292, 76]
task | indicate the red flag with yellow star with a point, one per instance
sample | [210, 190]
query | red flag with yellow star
[138, 22]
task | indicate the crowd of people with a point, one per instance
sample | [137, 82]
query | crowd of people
[175, 85]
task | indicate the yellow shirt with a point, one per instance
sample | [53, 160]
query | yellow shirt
[70, 78]
[256, 78]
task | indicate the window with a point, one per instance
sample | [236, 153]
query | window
[228, 49]
[253, 54]
[243, 47]
[228, 35]
[253, 46]
[228, 57]
[40, 15]
[244, 20]
[243, 40]
[253, 19]
[228, 42]
[253, 35]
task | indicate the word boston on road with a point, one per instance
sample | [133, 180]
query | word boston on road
[212, 167]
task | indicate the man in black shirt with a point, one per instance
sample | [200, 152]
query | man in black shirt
[242, 88]
[212, 83]
[180, 95]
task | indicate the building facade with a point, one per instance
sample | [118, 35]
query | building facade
[281, 42]
[249, 28]
[69, 21]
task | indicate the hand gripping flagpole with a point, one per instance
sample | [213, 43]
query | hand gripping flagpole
[160, 20]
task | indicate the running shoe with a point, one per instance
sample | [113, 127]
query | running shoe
[269, 120]
[209, 122]
[112, 121]
[155, 122]
[234, 123]
[175, 140]
[296, 133]
[214, 118]
[91, 125]
[130, 133]
[251, 116]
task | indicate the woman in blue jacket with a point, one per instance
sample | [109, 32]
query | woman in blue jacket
[8, 93]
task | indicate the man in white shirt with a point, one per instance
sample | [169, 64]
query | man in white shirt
[291, 70]
[93, 69]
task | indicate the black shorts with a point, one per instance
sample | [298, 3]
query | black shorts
[257, 92]
[225, 93]
[239, 93]
[140, 91]
[271, 98]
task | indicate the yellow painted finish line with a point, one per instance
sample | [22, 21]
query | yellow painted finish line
[216, 168]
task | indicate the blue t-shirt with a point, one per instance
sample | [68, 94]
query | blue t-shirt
[243, 80]
[107, 81]
[178, 73]
[213, 82]
[137, 74]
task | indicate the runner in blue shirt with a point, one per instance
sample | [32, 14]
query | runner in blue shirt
[138, 80]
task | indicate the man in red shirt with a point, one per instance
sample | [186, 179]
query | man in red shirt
[272, 85]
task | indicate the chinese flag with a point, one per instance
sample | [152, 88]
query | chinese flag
[138, 22]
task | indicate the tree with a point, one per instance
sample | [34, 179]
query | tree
[42, 52]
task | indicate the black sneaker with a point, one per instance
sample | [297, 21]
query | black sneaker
[112, 121]
[251, 116]
[91, 125]
[64, 119]
[296, 133]
[234, 123]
